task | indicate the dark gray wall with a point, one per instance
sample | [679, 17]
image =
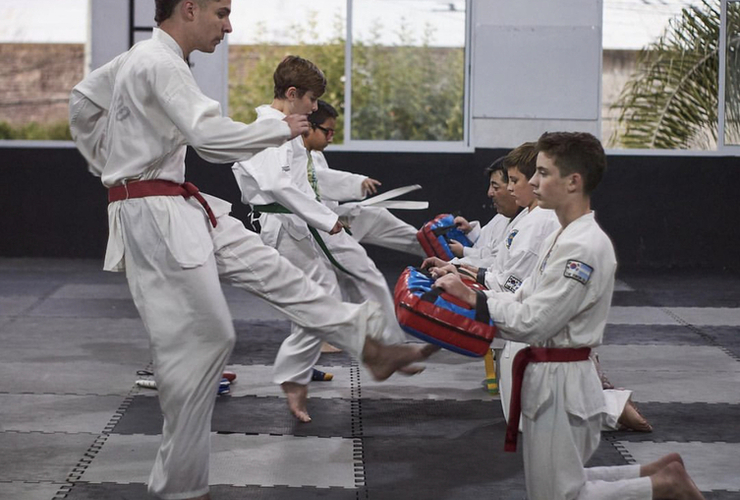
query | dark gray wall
[661, 212]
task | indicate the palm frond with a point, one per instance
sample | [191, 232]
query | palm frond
[671, 99]
[732, 75]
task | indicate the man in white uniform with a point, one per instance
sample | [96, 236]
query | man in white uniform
[279, 183]
[561, 310]
[132, 120]
[486, 239]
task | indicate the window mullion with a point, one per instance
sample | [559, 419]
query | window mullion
[722, 68]
[348, 77]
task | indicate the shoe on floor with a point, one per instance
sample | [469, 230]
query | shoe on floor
[319, 376]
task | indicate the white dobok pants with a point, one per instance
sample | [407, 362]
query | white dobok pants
[378, 226]
[614, 399]
[368, 283]
[557, 444]
[191, 332]
[301, 350]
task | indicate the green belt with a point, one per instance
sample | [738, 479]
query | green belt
[276, 208]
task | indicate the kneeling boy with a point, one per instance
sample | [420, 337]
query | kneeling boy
[561, 310]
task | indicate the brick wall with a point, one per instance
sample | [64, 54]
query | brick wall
[36, 80]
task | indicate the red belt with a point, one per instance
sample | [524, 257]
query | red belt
[522, 359]
[141, 189]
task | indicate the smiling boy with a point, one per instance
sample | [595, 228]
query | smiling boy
[561, 310]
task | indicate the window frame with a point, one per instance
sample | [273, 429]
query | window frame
[722, 149]
[363, 145]
[733, 149]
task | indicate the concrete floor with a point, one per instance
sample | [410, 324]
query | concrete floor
[74, 425]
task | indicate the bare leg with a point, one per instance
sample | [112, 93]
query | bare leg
[384, 360]
[673, 482]
[661, 463]
[411, 370]
[328, 348]
[297, 394]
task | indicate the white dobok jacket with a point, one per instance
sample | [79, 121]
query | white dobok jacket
[163, 106]
[564, 303]
[520, 248]
[279, 175]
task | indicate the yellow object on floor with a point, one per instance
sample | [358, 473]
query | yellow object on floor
[491, 380]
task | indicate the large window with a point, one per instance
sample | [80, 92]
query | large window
[395, 69]
[670, 74]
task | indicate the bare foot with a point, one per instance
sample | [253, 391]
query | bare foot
[409, 370]
[673, 482]
[384, 360]
[297, 394]
[633, 420]
[653, 467]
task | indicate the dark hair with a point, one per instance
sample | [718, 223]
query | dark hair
[575, 152]
[294, 71]
[322, 113]
[163, 9]
[524, 158]
[497, 166]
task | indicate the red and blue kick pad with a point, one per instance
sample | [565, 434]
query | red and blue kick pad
[439, 318]
[435, 236]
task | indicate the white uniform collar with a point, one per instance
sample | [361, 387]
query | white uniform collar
[163, 37]
[267, 111]
[584, 218]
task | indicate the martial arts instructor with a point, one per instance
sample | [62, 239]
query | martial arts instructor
[132, 119]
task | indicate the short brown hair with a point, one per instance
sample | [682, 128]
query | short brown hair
[524, 158]
[163, 9]
[575, 152]
[294, 71]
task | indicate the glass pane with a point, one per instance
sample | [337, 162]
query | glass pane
[265, 32]
[732, 75]
[408, 59]
[660, 74]
[42, 55]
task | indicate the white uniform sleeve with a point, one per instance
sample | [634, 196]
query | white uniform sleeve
[87, 124]
[216, 138]
[474, 233]
[89, 103]
[519, 265]
[336, 185]
[263, 176]
[535, 316]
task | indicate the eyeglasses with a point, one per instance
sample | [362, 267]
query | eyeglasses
[328, 132]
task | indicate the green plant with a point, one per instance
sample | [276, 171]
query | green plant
[671, 100]
[57, 131]
[407, 91]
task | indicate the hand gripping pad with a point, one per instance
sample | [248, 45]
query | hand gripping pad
[434, 236]
[439, 318]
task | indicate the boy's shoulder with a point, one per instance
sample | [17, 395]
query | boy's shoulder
[584, 240]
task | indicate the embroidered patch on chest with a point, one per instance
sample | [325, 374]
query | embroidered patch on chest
[578, 271]
[510, 238]
[512, 283]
